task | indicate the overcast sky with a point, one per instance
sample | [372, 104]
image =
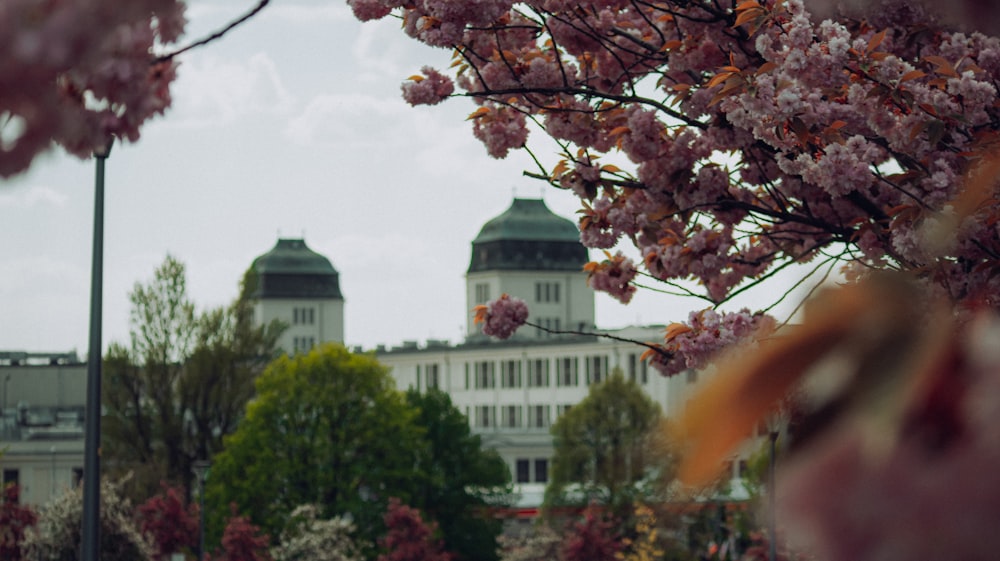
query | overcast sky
[292, 125]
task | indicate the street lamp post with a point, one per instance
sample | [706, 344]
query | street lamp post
[774, 422]
[90, 542]
[200, 468]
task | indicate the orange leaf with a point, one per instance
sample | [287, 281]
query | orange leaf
[911, 75]
[619, 130]
[875, 41]
[675, 329]
[942, 66]
[718, 79]
[748, 15]
[766, 67]
[482, 111]
[416, 78]
[749, 387]
[480, 314]
[610, 168]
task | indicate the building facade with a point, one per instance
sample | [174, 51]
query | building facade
[300, 288]
[41, 425]
[511, 391]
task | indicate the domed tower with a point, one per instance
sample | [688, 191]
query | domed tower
[533, 254]
[302, 289]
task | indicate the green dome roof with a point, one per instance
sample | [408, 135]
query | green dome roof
[292, 270]
[529, 219]
[528, 237]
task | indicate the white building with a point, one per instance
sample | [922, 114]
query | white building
[300, 288]
[41, 422]
[511, 391]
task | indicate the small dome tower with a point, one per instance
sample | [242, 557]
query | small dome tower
[301, 288]
[533, 254]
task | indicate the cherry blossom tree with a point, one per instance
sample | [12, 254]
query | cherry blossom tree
[310, 538]
[78, 73]
[728, 141]
[56, 536]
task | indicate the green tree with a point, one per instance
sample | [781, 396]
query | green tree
[326, 428]
[607, 448]
[182, 383]
[459, 479]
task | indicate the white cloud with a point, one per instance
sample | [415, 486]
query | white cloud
[210, 90]
[331, 119]
[33, 196]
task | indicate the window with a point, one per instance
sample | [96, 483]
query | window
[303, 344]
[77, 476]
[638, 369]
[485, 416]
[562, 409]
[511, 373]
[538, 416]
[597, 367]
[523, 473]
[566, 371]
[482, 293]
[511, 416]
[433, 380]
[485, 375]
[551, 324]
[538, 373]
[10, 476]
[547, 292]
[541, 470]
[303, 316]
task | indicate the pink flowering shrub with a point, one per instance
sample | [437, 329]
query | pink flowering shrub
[169, 522]
[409, 538]
[15, 520]
[502, 317]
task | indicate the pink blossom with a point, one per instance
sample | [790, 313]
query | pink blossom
[501, 130]
[430, 90]
[502, 317]
[613, 275]
[366, 10]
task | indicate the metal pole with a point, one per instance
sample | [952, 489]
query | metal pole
[201, 520]
[90, 543]
[772, 553]
[201, 468]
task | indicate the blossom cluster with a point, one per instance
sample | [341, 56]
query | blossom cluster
[502, 317]
[430, 89]
[57, 533]
[613, 275]
[316, 539]
[79, 72]
[693, 345]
